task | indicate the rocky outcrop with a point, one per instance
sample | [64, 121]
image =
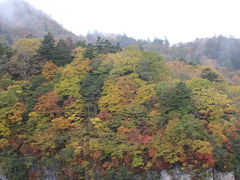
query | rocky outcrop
[164, 175]
[2, 176]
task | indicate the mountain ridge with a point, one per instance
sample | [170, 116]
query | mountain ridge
[20, 19]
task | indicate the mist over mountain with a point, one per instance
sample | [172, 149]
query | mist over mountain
[217, 51]
[19, 19]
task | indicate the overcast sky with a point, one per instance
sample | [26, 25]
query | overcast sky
[178, 20]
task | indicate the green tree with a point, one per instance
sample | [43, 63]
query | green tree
[47, 48]
[62, 54]
[210, 75]
[57, 52]
[90, 52]
[177, 98]
[82, 43]
[5, 55]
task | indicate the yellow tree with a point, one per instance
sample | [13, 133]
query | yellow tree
[148, 65]
[69, 85]
[192, 151]
[9, 108]
[211, 104]
[21, 63]
[124, 91]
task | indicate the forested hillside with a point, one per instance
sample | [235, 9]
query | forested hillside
[19, 19]
[217, 51]
[109, 107]
[95, 111]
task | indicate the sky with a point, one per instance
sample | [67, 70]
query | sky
[178, 20]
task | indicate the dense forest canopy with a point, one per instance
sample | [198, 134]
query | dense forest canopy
[98, 111]
[113, 107]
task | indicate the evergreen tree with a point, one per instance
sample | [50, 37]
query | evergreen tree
[82, 43]
[47, 49]
[109, 48]
[105, 46]
[210, 75]
[177, 98]
[62, 54]
[90, 52]
[57, 52]
[5, 54]
[99, 46]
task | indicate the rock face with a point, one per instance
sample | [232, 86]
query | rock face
[223, 176]
[177, 175]
[2, 177]
[48, 175]
[164, 175]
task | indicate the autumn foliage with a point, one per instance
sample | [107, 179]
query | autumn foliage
[115, 115]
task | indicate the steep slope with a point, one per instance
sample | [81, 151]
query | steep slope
[19, 19]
